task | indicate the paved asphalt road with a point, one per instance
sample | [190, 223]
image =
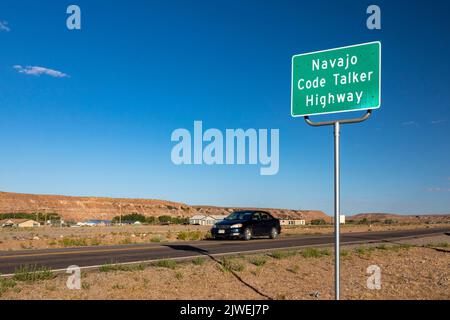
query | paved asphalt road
[91, 257]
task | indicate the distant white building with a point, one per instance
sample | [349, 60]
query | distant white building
[292, 222]
[19, 223]
[196, 219]
[341, 219]
[94, 223]
[205, 220]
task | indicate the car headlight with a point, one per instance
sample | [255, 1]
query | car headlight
[237, 225]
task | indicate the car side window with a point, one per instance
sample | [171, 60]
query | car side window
[256, 216]
[265, 216]
[247, 216]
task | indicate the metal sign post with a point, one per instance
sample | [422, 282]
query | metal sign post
[337, 211]
[336, 80]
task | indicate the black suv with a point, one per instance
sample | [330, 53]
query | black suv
[246, 225]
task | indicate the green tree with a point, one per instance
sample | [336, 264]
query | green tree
[132, 217]
[165, 219]
[364, 221]
[318, 222]
[180, 220]
[150, 220]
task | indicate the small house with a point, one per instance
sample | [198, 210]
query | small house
[292, 222]
[19, 223]
[205, 220]
[94, 223]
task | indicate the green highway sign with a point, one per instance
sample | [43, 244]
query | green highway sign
[336, 80]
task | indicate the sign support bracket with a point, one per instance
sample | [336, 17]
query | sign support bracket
[344, 121]
[337, 215]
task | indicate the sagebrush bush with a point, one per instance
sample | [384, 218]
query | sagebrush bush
[170, 264]
[363, 250]
[73, 242]
[258, 261]
[281, 254]
[5, 284]
[31, 273]
[314, 253]
[198, 261]
[191, 235]
[229, 264]
[121, 267]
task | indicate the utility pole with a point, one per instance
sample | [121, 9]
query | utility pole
[120, 214]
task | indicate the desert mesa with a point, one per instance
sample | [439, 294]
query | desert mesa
[76, 208]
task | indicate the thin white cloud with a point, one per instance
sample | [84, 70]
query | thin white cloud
[409, 123]
[4, 26]
[438, 121]
[37, 71]
[438, 189]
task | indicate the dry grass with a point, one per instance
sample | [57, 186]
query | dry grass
[408, 272]
[349, 228]
[121, 267]
[51, 237]
[32, 273]
[169, 264]
[47, 237]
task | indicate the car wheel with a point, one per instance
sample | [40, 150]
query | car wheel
[273, 233]
[247, 234]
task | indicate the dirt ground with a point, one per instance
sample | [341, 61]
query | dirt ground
[54, 237]
[412, 269]
[308, 229]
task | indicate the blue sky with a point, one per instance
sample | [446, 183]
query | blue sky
[140, 69]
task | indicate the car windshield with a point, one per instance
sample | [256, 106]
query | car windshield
[239, 215]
